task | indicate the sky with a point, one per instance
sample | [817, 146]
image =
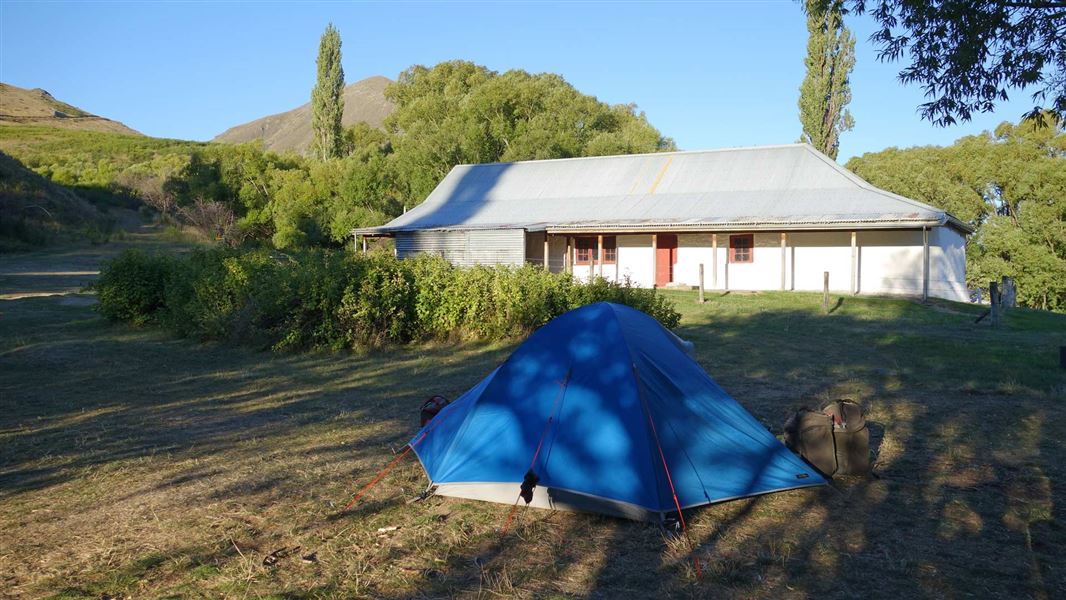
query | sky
[708, 74]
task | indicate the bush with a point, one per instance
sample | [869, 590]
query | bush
[132, 287]
[324, 299]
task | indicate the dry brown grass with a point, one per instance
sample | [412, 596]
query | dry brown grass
[135, 465]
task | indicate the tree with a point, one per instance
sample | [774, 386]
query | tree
[458, 112]
[825, 91]
[213, 220]
[327, 104]
[150, 188]
[967, 55]
[1011, 185]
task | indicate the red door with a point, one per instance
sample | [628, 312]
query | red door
[665, 258]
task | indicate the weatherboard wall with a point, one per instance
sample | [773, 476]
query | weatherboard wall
[887, 262]
[466, 248]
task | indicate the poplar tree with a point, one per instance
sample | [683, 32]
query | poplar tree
[327, 104]
[825, 91]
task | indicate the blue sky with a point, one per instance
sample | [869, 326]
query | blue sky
[708, 74]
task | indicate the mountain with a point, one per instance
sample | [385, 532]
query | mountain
[38, 107]
[363, 101]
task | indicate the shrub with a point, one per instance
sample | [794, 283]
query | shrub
[379, 306]
[132, 287]
[332, 299]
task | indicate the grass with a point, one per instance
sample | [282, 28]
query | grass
[137, 465]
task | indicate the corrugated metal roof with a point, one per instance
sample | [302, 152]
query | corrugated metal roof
[784, 187]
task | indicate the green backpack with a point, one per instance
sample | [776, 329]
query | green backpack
[835, 440]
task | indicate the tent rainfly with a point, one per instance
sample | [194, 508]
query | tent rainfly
[609, 412]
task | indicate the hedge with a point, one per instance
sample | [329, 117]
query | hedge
[332, 299]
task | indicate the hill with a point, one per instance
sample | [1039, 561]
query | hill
[34, 211]
[38, 107]
[364, 101]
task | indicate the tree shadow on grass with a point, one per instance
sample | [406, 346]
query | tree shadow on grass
[969, 503]
[965, 504]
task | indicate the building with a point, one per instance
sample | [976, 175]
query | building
[761, 218]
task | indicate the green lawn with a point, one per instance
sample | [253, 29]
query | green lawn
[137, 465]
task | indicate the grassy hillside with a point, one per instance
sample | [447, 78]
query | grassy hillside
[38, 107]
[81, 152]
[35, 212]
[92, 163]
[136, 464]
[63, 183]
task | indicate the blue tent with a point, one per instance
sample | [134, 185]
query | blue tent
[606, 407]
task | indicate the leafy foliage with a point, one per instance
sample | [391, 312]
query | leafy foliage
[1011, 185]
[334, 299]
[459, 112]
[968, 55]
[825, 91]
[35, 211]
[327, 103]
[135, 286]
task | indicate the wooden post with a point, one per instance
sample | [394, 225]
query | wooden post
[854, 263]
[727, 269]
[701, 283]
[599, 253]
[546, 267]
[925, 264]
[617, 257]
[1009, 293]
[654, 259]
[792, 268]
[993, 292]
[714, 261]
[783, 254]
[825, 292]
[364, 244]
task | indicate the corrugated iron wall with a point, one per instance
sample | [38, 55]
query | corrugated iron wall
[466, 248]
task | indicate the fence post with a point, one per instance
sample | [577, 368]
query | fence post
[1009, 293]
[701, 283]
[993, 293]
[825, 292]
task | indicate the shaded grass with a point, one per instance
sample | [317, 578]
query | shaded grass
[133, 463]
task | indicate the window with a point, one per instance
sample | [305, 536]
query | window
[585, 249]
[742, 248]
[610, 250]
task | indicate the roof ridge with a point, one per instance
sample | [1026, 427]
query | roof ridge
[639, 154]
